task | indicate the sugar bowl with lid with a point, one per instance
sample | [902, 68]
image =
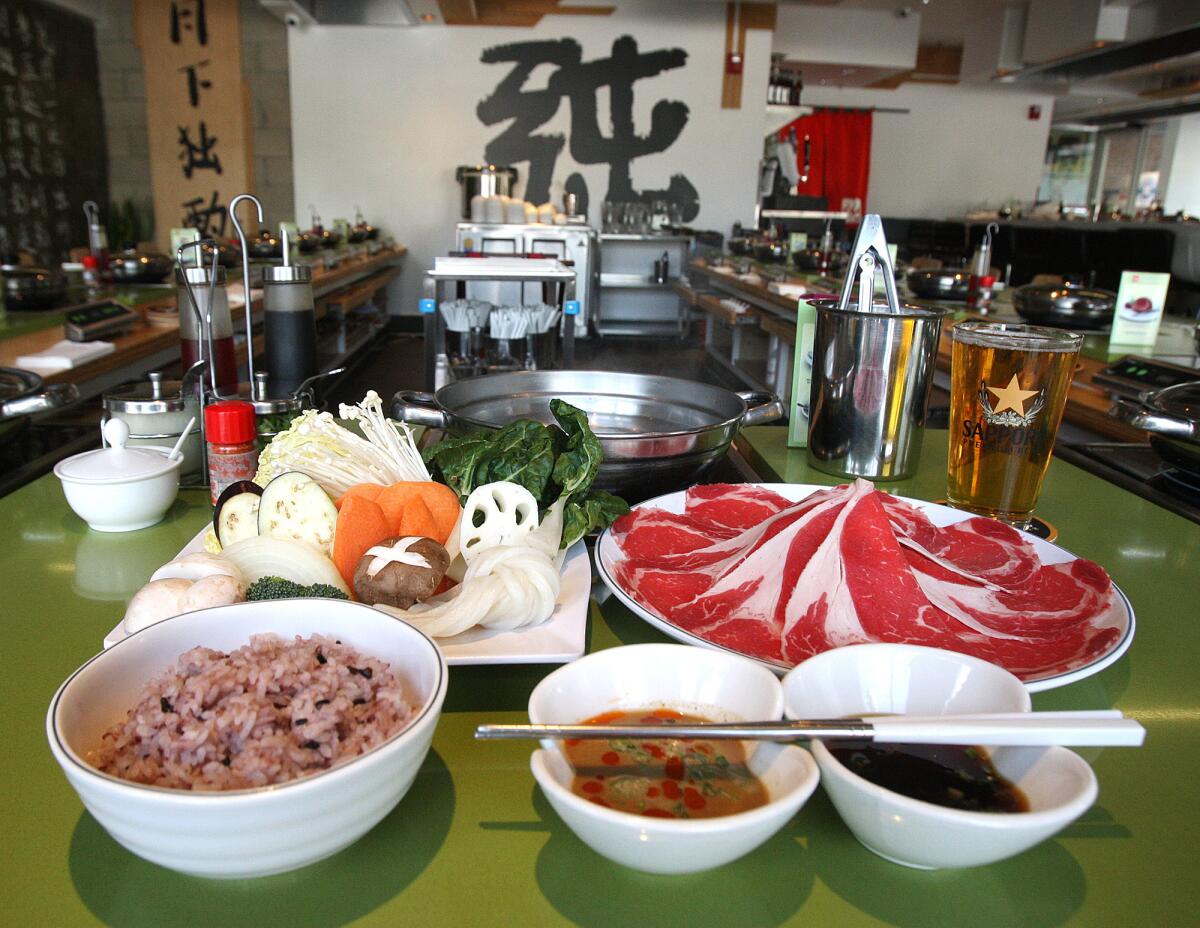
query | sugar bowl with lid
[120, 488]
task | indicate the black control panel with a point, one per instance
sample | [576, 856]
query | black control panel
[96, 320]
[1133, 375]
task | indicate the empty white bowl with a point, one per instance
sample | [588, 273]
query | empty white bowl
[712, 684]
[254, 832]
[896, 678]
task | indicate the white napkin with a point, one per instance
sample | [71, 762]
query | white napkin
[65, 355]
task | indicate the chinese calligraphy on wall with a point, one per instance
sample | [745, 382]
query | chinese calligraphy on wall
[578, 83]
[52, 151]
[199, 137]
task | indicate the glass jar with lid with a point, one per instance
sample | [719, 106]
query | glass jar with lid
[156, 411]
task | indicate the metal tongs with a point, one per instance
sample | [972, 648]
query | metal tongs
[1098, 728]
[869, 253]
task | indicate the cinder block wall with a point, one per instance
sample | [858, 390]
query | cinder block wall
[123, 96]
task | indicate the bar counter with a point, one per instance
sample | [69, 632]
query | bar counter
[144, 347]
[475, 843]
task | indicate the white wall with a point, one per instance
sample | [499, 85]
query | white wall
[862, 38]
[1183, 174]
[957, 148]
[381, 117]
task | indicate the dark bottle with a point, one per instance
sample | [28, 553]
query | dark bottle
[289, 323]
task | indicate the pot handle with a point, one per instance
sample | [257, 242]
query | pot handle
[417, 408]
[762, 406]
[1158, 423]
[54, 396]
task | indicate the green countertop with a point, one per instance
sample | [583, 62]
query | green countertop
[474, 842]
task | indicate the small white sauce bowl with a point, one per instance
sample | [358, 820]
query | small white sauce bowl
[712, 684]
[884, 679]
[122, 504]
[250, 832]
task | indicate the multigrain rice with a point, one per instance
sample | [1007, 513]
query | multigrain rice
[269, 712]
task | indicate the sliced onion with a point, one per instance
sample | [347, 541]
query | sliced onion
[263, 556]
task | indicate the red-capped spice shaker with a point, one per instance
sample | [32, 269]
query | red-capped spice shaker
[231, 432]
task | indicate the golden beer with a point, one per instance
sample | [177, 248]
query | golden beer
[1007, 394]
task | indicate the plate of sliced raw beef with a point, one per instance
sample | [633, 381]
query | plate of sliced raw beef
[780, 572]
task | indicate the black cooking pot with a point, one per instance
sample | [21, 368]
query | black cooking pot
[809, 259]
[1064, 306]
[326, 238]
[265, 245]
[228, 255]
[140, 267]
[308, 243]
[22, 393]
[940, 283]
[739, 246]
[32, 289]
[770, 251]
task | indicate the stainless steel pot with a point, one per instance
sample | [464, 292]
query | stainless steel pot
[659, 434]
[22, 394]
[940, 283]
[484, 180]
[1172, 417]
[1064, 306]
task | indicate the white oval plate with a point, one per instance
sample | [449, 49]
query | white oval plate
[608, 555]
[561, 638]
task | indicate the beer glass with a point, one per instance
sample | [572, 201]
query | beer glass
[1007, 394]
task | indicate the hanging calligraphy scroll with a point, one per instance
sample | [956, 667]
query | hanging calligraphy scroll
[197, 112]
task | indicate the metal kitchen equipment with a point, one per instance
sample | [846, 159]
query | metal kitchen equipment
[156, 411]
[1172, 417]
[246, 275]
[484, 180]
[658, 433]
[450, 277]
[576, 243]
[23, 393]
[1064, 305]
[873, 364]
[289, 323]
[31, 289]
[274, 414]
[940, 283]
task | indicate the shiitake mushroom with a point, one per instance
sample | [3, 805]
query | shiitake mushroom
[399, 584]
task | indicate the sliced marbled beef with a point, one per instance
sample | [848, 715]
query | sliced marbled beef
[851, 564]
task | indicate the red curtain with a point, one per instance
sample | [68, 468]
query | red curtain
[839, 159]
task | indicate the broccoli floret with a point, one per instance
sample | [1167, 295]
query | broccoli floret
[279, 588]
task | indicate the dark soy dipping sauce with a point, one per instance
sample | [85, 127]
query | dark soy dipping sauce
[955, 776]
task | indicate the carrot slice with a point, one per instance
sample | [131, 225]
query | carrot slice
[361, 524]
[443, 506]
[394, 499]
[440, 501]
[369, 491]
[417, 520]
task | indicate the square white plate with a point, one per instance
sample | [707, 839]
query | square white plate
[559, 639]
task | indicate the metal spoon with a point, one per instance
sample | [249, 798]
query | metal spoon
[1098, 728]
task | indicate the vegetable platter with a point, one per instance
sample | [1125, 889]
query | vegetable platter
[477, 542]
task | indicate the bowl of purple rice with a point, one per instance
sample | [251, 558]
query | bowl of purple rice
[251, 739]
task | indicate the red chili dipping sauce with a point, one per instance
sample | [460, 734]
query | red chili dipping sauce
[663, 778]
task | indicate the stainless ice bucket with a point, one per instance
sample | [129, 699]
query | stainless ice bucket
[872, 372]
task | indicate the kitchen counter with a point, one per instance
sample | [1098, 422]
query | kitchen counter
[146, 347]
[475, 843]
[1087, 403]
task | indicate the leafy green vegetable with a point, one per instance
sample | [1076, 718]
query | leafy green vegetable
[553, 462]
[576, 466]
[598, 510]
[279, 588]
